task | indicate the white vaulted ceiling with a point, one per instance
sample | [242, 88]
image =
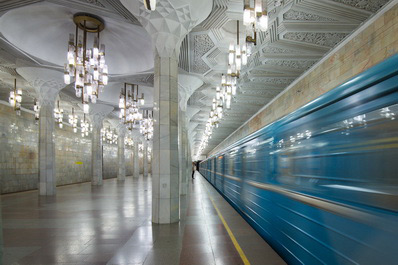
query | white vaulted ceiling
[43, 29]
[300, 33]
[34, 33]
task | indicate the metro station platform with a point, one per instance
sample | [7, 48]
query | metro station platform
[112, 225]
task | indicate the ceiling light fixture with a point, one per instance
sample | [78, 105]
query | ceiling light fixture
[36, 109]
[255, 19]
[109, 136]
[85, 127]
[15, 98]
[59, 115]
[73, 120]
[128, 141]
[146, 127]
[86, 66]
[236, 57]
[129, 103]
[150, 4]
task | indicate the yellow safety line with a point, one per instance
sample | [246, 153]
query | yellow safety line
[231, 235]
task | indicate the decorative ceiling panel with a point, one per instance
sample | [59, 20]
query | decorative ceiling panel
[299, 34]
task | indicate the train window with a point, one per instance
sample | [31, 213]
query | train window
[231, 165]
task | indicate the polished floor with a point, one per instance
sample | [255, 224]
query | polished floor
[112, 225]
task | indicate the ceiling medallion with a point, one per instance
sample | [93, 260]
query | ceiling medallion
[86, 66]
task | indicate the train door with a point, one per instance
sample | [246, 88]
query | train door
[214, 171]
[222, 173]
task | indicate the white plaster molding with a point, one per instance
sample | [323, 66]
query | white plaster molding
[170, 22]
[98, 112]
[46, 82]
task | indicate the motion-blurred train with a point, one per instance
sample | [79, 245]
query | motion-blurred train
[320, 185]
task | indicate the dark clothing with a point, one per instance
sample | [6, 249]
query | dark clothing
[193, 170]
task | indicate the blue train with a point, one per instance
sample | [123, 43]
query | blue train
[321, 184]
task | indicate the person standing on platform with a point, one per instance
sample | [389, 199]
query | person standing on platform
[193, 170]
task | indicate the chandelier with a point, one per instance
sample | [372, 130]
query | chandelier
[85, 127]
[15, 98]
[86, 66]
[141, 150]
[109, 136]
[36, 109]
[149, 153]
[128, 141]
[129, 103]
[73, 120]
[237, 55]
[150, 4]
[59, 115]
[146, 127]
[255, 19]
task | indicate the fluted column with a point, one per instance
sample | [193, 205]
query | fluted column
[121, 174]
[47, 84]
[167, 25]
[98, 112]
[145, 158]
[136, 157]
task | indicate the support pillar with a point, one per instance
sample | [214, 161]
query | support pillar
[166, 45]
[121, 174]
[47, 171]
[145, 158]
[136, 157]
[98, 112]
[182, 152]
[47, 84]
[165, 175]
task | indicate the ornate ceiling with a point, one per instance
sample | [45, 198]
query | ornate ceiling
[300, 33]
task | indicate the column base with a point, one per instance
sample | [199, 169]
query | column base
[165, 211]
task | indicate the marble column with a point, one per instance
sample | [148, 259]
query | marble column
[136, 157]
[47, 84]
[47, 171]
[165, 166]
[97, 114]
[121, 174]
[182, 152]
[167, 25]
[145, 158]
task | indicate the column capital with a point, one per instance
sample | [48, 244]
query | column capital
[170, 22]
[98, 112]
[46, 82]
[187, 85]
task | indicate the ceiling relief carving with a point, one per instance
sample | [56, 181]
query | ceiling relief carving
[201, 45]
[371, 6]
[303, 16]
[265, 93]
[321, 39]
[283, 53]
[93, 2]
[274, 80]
[295, 64]
[272, 49]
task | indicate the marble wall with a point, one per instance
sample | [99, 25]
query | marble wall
[372, 43]
[19, 154]
[19, 164]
